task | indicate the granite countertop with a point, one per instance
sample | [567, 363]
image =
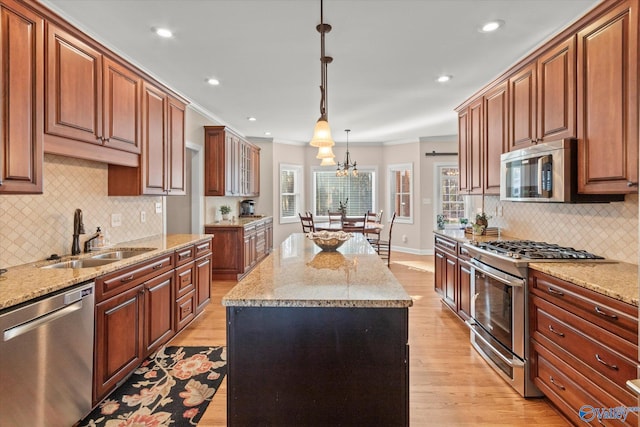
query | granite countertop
[237, 222]
[299, 274]
[618, 280]
[25, 282]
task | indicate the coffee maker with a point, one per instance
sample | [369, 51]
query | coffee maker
[246, 208]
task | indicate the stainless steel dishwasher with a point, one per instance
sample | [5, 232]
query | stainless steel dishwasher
[46, 359]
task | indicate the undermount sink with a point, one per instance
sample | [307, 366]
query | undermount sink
[120, 254]
[81, 263]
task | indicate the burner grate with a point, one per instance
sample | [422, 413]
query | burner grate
[537, 250]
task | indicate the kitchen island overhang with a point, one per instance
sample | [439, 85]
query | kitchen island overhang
[318, 338]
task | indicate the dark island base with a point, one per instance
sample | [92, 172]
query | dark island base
[317, 366]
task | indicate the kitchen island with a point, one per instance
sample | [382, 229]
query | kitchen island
[318, 338]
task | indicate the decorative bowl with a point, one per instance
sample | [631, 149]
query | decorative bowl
[329, 241]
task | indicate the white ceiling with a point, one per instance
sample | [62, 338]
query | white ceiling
[266, 54]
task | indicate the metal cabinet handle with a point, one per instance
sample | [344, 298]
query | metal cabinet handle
[632, 184]
[555, 292]
[605, 314]
[560, 334]
[560, 386]
[599, 359]
[157, 266]
[127, 279]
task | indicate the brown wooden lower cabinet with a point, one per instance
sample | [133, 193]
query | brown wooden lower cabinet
[244, 247]
[141, 307]
[452, 279]
[584, 347]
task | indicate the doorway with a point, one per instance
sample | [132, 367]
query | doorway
[184, 214]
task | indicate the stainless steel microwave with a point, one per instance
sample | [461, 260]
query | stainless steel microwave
[546, 172]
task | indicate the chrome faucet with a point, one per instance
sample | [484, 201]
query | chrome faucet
[78, 229]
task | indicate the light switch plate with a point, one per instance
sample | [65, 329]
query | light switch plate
[158, 207]
[116, 220]
[143, 216]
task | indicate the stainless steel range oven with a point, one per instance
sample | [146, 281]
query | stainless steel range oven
[499, 314]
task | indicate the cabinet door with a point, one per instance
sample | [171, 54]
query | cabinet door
[154, 155]
[203, 282]
[214, 166]
[557, 92]
[255, 172]
[159, 303]
[522, 102]
[232, 169]
[121, 111]
[608, 103]
[496, 129]
[118, 347]
[463, 151]
[451, 267]
[21, 83]
[249, 248]
[475, 155]
[227, 262]
[464, 290]
[176, 147]
[440, 272]
[74, 88]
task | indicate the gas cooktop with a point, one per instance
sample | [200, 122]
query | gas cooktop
[531, 250]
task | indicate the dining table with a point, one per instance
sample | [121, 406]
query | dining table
[337, 226]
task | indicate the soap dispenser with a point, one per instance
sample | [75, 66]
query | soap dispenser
[100, 238]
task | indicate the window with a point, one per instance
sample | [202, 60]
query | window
[449, 202]
[290, 184]
[329, 190]
[401, 198]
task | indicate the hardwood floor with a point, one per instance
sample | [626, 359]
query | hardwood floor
[450, 384]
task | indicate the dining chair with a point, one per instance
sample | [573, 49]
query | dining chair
[307, 222]
[354, 224]
[372, 233]
[383, 247]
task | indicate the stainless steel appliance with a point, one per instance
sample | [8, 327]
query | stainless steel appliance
[546, 172]
[46, 360]
[499, 304]
[247, 208]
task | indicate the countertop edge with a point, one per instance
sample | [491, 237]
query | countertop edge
[318, 303]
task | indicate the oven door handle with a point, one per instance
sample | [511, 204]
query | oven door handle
[515, 282]
[514, 363]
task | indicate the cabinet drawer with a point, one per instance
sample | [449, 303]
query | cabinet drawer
[463, 253]
[113, 283]
[185, 309]
[185, 255]
[450, 246]
[585, 341]
[184, 279]
[563, 385]
[606, 312]
[203, 248]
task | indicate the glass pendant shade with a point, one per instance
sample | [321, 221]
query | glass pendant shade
[322, 134]
[325, 153]
[328, 161]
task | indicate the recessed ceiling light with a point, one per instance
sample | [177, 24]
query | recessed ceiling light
[444, 78]
[163, 32]
[213, 82]
[491, 26]
[251, 119]
[267, 133]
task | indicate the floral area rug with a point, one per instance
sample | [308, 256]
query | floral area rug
[173, 387]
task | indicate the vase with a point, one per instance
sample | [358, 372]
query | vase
[225, 217]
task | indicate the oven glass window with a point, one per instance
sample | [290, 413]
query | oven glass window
[493, 308]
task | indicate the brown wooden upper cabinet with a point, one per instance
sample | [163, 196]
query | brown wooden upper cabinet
[608, 102]
[232, 164]
[542, 99]
[21, 83]
[161, 169]
[90, 98]
[470, 142]
[496, 120]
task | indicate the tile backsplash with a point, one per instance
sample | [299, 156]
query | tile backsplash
[606, 229]
[32, 227]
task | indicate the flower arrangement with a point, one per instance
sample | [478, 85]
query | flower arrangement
[225, 209]
[483, 219]
[343, 207]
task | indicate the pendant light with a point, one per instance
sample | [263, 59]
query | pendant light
[322, 132]
[345, 167]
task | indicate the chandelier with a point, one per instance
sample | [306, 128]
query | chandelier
[322, 132]
[345, 167]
